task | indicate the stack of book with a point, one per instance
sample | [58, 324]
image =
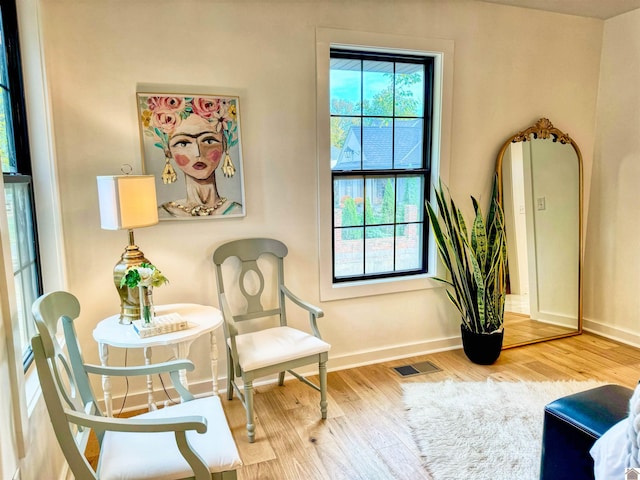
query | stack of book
[171, 322]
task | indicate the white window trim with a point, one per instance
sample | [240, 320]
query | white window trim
[442, 52]
[43, 164]
[42, 148]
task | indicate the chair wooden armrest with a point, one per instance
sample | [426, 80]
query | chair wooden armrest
[172, 368]
[317, 312]
[150, 425]
[82, 369]
[164, 367]
[229, 323]
[314, 312]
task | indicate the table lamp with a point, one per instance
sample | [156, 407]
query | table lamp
[127, 202]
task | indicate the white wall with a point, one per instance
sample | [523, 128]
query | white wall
[506, 75]
[612, 256]
[512, 66]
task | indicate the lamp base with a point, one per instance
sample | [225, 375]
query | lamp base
[129, 297]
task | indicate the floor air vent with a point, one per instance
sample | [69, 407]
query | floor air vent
[416, 369]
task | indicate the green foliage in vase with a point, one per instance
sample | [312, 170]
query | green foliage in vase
[476, 261]
[143, 275]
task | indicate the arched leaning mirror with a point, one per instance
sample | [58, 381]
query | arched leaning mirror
[540, 187]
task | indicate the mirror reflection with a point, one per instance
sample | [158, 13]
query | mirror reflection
[540, 175]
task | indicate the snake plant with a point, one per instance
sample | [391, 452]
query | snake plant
[476, 262]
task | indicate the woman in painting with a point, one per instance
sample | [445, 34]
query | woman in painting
[195, 133]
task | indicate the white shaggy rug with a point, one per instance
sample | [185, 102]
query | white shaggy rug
[482, 430]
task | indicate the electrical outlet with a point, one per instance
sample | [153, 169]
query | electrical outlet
[541, 202]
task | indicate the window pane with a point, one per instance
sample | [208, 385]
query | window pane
[348, 252]
[348, 202]
[7, 150]
[24, 334]
[379, 250]
[345, 84]
[377, 81]
[409, 90]
[410, 199]
[409, 246]
[407, 143]
[23, 252]
[377, 143]
[26, 293]
[10, 200]
[346, 146]
[24, 220]
[379, 200]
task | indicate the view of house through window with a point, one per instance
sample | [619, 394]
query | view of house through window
[380, 108]
[16, 169]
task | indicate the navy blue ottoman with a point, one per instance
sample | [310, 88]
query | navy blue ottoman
[572, 424]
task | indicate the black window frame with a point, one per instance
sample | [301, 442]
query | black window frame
[23, 169]
[424, 171]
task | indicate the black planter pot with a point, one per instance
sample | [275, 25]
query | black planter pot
[482, 348]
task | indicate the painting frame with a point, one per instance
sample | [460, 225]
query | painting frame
[192, 144]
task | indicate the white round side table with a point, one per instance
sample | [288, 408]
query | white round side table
[202, 319]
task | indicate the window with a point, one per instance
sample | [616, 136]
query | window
[16, 169]
[381, 111]
[402, 269]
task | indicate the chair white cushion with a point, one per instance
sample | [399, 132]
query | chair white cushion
[276, 345]
[156, 456]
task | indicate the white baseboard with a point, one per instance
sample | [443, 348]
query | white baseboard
[613, 333]
[138, 400]
[387, 354]
[555, 319]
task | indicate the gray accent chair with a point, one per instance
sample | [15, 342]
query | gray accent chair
[190, 440]
[264, 344]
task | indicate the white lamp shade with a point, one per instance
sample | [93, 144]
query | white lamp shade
[127, 201]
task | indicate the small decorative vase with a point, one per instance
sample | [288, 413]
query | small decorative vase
[482, 348]
[146, 306]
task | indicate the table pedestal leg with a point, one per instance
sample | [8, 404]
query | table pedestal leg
[147, 362]
[103, 352]
[213, 352]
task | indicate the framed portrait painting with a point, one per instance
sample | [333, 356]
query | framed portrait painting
[192, 144]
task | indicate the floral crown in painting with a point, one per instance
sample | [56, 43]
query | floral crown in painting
[161, 115]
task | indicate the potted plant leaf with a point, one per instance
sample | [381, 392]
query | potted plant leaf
[476, 262]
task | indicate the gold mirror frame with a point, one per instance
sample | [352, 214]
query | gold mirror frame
[544, 129]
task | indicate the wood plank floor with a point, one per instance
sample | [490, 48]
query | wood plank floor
[366, 435]
[520, 328]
